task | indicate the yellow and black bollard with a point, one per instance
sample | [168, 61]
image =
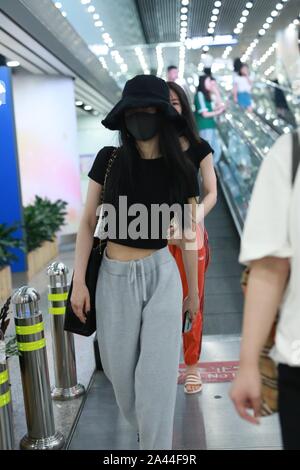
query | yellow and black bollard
[66, 386]
[6, 426]
[34, 372]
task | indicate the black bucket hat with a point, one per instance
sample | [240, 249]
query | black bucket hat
[143, 91]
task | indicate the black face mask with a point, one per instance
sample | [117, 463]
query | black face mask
[142, 125]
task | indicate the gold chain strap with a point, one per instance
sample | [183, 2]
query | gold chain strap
[111, 160]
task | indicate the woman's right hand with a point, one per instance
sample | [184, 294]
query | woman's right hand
[246, 393]
[80, 301]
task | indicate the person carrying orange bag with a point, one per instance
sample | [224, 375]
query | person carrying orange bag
[200, 153]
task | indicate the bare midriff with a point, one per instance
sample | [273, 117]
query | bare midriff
[126, 253]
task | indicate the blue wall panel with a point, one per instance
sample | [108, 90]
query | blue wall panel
[11, 210]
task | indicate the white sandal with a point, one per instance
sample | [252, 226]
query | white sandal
[193, 379]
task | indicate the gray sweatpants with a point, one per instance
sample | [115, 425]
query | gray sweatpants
[138, 307]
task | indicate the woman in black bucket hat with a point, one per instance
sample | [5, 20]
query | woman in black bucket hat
[140, 92]
[139, 302]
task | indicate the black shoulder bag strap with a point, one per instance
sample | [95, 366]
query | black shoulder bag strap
[296, 154]
[108, 168]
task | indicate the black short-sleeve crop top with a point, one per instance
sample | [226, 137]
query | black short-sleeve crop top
[151, 188]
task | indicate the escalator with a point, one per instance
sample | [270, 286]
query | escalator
[245, 142]
[264, 97]
[223, 297]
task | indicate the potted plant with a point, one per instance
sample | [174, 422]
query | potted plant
[7, 241]
[42, 220]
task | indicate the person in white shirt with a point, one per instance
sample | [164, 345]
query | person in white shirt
[242, 86]
[271, 246]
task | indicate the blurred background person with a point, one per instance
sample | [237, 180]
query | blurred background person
[282, 107]
[205, 114]
[200, 154]
[172, 73]
[242, 86]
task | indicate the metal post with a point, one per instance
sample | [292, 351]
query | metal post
[34, 372]
[66, 386]
[6, 423]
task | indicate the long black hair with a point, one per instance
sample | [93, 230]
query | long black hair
[202, 88]
[190, 131]
[179, 169]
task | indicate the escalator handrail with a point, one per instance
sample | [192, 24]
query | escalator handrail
[258, 153]
[264, 119]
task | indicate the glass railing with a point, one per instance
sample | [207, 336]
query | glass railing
[263, 95]
[244, 145]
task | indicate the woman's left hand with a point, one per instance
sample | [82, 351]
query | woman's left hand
[191, 303]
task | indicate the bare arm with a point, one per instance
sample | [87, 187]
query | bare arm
[84, 239]
[209, 183]
[217, 94]
[214, 113]
[189, 248]
[266, 285]
[80, 298]
[235, 92]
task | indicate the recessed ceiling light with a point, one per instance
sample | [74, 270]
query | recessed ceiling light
[87, 107]
[261, 32]
[183, 17]
[98, 24]
[237, 31]
[183, 23]
[240, 25]
[79, 103]
[279, 6]
[58, 5]
[64, 13]
[85, 2]
[91, 9]
[210, 30]
[12, 63]
[212, 24]
[96, 16]
[249, 5]
[215, 11]
[245, 13]
[214, 18]
[206, 48]
[218, 4]
[184, 10]
[269, 20]
[274, 13]
[185, 2]
[266, 26]
[243, 19]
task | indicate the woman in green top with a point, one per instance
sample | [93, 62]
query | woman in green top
[204, 114]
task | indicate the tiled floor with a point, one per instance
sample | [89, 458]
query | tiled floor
[203, 421]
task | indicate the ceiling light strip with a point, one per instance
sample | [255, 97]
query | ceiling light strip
[115, 54]
[267, 25]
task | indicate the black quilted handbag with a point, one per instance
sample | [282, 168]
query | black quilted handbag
[72, 322]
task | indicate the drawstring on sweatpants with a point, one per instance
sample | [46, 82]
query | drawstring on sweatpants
[133, 277]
